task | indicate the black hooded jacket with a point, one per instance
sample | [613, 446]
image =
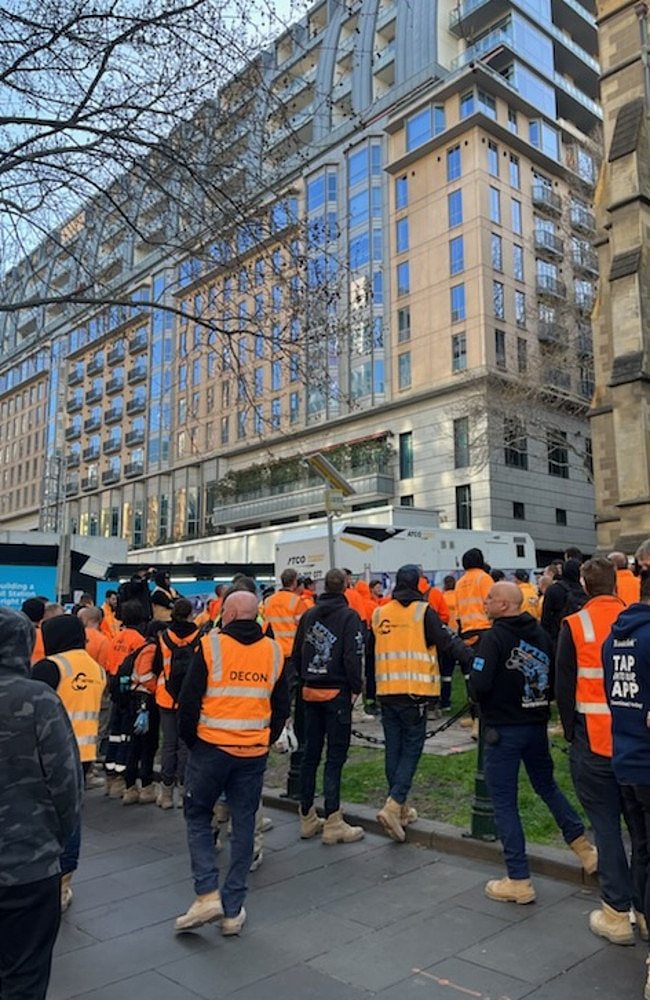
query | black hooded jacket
[562, 598]
[60, 634]
[328, 646]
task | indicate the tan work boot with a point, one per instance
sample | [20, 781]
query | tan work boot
[180, 795]
[466, 723]
[66, 891]
[510, 890]
[587, 853]
[205, 909]
[475, 730]
[110, 781]
[131, 796]
[390, 818]
[233, 925]
[642, 925]
[118, 788]
[409, 814]
[165, 797]
[310, 823]
[337, 831]
[148, 793]
[612, 924]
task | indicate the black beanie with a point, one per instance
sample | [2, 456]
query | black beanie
[473, 559]
[34, 608]
[408, 576]
[63, 632]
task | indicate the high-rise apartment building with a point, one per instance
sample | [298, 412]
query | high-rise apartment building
[408, 286]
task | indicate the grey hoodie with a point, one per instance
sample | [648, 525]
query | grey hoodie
[40, 772]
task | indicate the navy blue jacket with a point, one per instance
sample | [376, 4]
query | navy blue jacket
[626, 661]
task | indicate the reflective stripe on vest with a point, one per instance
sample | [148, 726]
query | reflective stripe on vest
[470, 606]
[163, 697]
[283, 621]
[401, 651]
[589, 628]
[238, 715]
[80, 687]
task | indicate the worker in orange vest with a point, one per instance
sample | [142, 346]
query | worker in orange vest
[447, 660]
[471, 591]
[127, 641]
[282, 611]
[434, 596]
[305, 595]
[628, 586]
[98, 645]
[110, 625]
[587, 724]
[529, 593]
[34, 609]
[234, 704]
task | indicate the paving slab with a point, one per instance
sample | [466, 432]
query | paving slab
[455, 978]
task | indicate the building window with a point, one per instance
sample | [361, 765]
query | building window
[403, 278]
[225, 425]
[487, 104]
[498, 300]
[558, 454]
[515, 443]
[493, 159]
[404, 370]
[294, 407]
[467, 104]
[403, 324]
[515, 206]
[461, 443]
[456, 255]
[500, 349]
[401, 192]
[589, 458]
[518, 511]
[406, 455]
[560, 516]
[241, 424]
[512, 120]
[522, 355]
[276, 412]
[515, 172]
[520, 309]
[458, 352]
[453, 163]
[424, 125]
[455, 208]
[496, 251]
[402, 235]
[464, 507]
[457, 298]
[495, 205]
[408, 500]
[517, 262]
[276, 376]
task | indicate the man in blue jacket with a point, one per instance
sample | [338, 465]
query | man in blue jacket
[626, 662]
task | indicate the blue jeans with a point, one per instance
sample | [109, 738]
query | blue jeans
[637, 812]
[527, 743]
[331, 719]
[405, 726]
[211, 771]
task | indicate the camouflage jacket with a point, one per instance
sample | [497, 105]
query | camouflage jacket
[40, 772]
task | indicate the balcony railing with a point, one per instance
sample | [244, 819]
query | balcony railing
[137, 405]
[114, 385]
[72, 486]
[585, 342]
[72, 432]
[111, 445]
[138, 343]
[585, 260]
[134, 438]
[116, 355]
[544, 198]
[95, 366]
[89, 483]
[550, 333]
[551, 287]
[72, 461]
[92, 424]
[133, 469]
[91, 454]
[94, 396]
[549, 242]
[110, 476]
[75, 376]
[582, 219]
[74, 405]
[137, 374]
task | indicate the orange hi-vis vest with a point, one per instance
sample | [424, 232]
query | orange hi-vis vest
[163, 697]
[125, 642]
[236, 707]
[449, 597]
[281, 611]
[628, 586]
[109, 624]
[589, 628]
[403, 662]
[81, 685]
[471, 591]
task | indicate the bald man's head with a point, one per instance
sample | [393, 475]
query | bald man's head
[240, 605]
[619, 559]
[90, 617]
[504, 600]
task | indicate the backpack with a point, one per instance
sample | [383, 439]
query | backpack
[575, 599]
[122, 680]
[181, 659]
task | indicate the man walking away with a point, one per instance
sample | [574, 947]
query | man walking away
[98, 645]
[447, 661]
[529, 593]
[562, 598]
[511, 680]
[233, 704]
[627, 584]
[328, 657]
[282, 611]
[40, 802]
[587, 724]
[406, 635]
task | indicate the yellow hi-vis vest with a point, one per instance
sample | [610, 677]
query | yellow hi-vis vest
[81, 684]
[403, 662]
[236, 707]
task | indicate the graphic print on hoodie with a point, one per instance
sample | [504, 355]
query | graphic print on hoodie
[626, 664]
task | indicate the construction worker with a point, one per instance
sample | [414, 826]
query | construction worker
[282, 611]
[471, 590]
[127, 641]
[529, 593]
[511, 681]
[79, 682]
[34, 608]
[305, 595]
[587, 724]
[447, 660]
[434, 596]
[163, 596]
[110, 626]
[97, 644]
[406, 633]
[234, 703]
[627, 584]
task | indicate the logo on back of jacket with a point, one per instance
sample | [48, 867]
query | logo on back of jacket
[81, 681]
[322, 640]
[386, 626]
[533, 664]
[625, 685]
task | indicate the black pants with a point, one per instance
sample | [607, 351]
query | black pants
[637, 808]
[142, 749]
[331, 719]
[29, 922]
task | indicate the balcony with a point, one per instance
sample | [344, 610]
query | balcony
[72, 486]
[94, 396]
[89, 483]
[586, 387]
[92, 424]
[73, 432]
[584, 301]
[585, 260]
[110, 476]
[112, 444]
[582, 220]
[116, 355]
[546, 242]
[468, 18]
[556, 378]
[546, 199]
[298, 499]
[76, 376]
[137, 374]
[585, 343]
[114, 385]
[134, 438]
[134, 469]
[113, 415]
[136, 405]
[95, 366]
[550, 333]
[138, 343]
[72, 461]
[74, 405]
[550, 287]
[91, 454]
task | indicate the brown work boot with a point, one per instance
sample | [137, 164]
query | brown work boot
[131, 796]
[230, 926]
[612, 924]
[205, 909]
[337, 831]
[310, 823]
[408, 814]
[390, 817]
[466, 723]
[118, 787]
[510, 890]
[148, 793]
[642, 925]
[165, 797]
[66, 891]
[587, 853]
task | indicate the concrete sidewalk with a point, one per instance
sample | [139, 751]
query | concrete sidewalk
[325, 923]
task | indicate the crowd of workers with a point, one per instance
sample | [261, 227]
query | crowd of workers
[94, 695]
